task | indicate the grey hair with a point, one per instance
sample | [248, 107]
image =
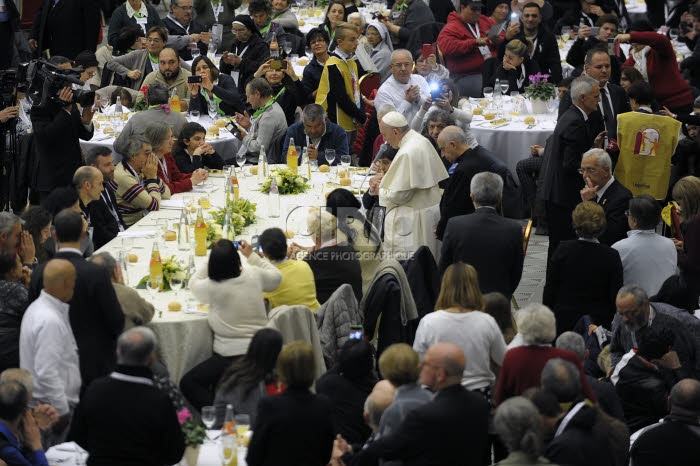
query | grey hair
[453, 133]
[22, 376]
[637, 291]
[582, 85]
[313, 112]
[359, 16]
[573, 342]
[13, 400]
[536, 324]
[134, 145]
[83, 174]
[8, 221]
[105, 260]
[517, 422]
[97, 151]
[601, 157]
[157, 94]
[384, 109]
[322, 224]
[135, 346]
[487, 188]
[157, 133]
[562, 379]
[398, 51]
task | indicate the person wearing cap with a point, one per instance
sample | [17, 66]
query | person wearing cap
[465, 44]
[245, 54]
[409, 189]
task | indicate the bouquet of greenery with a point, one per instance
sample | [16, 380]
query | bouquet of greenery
[287, 182]
[540, 88]
[242, 214]
[141, 103]
[171, 266]
[214, 234]
[194, 432]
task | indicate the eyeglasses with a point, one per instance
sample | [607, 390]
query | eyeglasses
[587, 170]
[402, 65]
[186, 8]
[153, 40]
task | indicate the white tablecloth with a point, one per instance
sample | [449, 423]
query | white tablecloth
[185, 339]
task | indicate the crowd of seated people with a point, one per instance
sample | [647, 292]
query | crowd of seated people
[618, 285]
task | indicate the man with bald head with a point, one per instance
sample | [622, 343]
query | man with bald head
[47, 347]
[451, 429]
[409, 189]
[88, 182]
[403, 89]
[673, 440]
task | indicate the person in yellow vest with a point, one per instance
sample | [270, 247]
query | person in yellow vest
[647, 142]
[342, 72]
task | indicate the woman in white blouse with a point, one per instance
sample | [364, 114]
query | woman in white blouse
[237, 311]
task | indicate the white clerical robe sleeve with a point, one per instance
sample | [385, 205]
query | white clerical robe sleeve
[396, 197]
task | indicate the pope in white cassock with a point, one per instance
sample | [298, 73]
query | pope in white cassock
[409, 189]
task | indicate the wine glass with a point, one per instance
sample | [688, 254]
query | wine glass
[104, 103]
[240, 160]
[176, 281]
[504, 87]
[153, 286]
[194, 116]
[227, 447]
[195, 52]
[330, 157]
[211, 109]
[565, 33]
[308, 52]
[673, 33]
[124, 261]
[488, 93]
[208, 418]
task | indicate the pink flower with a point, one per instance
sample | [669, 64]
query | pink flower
[183, 415]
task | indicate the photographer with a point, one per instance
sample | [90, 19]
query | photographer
[59, 122]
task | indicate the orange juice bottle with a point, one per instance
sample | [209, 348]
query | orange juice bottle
[175, 102]
[234, 186]
[292, 157]
[200, 235]
[156, 264]
[274, 47]
[229, 426]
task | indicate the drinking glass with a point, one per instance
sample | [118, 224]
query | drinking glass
[227, 448]
[673, 33]
[104, 103]
[124, 261]
[153, 286]
[163, 226]
[195, 52]
[287, 46]
[294, 58]
[208, 418]
[240, 159]
[211, 109]
[242, 427]
[504, 87]
[565, 33]
[308, 52]
[488, 93]
[194, 116]
[318, 189]
[330, 157]
[345, 162]
[176, 281]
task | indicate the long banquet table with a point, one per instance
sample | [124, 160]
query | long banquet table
[185, 338]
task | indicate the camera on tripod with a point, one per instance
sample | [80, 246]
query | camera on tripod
[45, 82]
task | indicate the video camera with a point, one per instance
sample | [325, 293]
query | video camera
[46, 80]
[12, 81]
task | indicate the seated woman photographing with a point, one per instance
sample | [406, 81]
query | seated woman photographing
[216, 90]
[287, 89]
[237, 311]
[245, 55]
[192, 152]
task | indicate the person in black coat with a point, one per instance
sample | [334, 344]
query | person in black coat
[106, 214]
[332, 264]
[146, 19]
[515, 68]
[191, 151]
[125, 419]
[452, 429]
[287, 88]
[572, 136]
[247, 52]
[183, 31]
[59, 126]
[347, 385]
[608, 25]
[66, 27]
[215, 88]
[545, 48]
[484, 239]
[583, 276]
[96, 317]
[296, 427]
[603, 188]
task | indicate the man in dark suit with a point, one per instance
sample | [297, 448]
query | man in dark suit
[59, 125]
[603, 188]
[484, 239]
[96, 317]
[455, 201]
[65, 27]
[106, 213]
[183, 30]
[613, 98]
[572, 136]
[451, 429]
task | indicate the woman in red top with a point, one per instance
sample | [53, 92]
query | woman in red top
[653, 55]
[161, 137]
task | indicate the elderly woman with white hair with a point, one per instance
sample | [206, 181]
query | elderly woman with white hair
[522, 366]
[519, 426]
[332, 263]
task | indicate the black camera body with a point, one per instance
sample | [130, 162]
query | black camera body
[46, 80]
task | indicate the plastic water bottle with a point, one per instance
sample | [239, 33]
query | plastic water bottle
[497, 101]
[183, 233]
[273, 200]
[262, 165]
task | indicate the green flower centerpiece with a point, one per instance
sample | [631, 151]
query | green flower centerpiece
[242, 214]
[171, 266]
[539, 92]
[214, 234]
[287, 182]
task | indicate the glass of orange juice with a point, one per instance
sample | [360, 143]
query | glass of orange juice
[228, 450]
[242, 427]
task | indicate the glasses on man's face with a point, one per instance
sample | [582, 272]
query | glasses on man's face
[186, 8]
[154, 40]
[402, 65]
[588, 170]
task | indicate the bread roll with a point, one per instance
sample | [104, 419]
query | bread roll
[345, 181]
[170, 236]
[529, 120]
[489, 116]
[254, 170]
[221, 123]
[174, 306]
[324, 168]
[133, 258]
[289, 234]
[478, 111]
[108, 130]
[214, 130]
